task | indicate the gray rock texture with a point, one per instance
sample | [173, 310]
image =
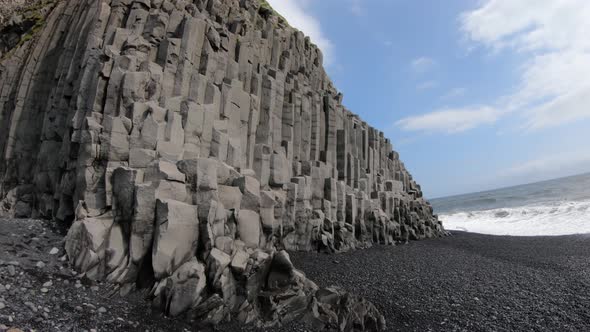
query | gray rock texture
[188, 142]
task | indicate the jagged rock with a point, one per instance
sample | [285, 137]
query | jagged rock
[176, 236]
[249, 228]
[231, 197]
[208, 135]
[163, 170]
[200, 173]
[183, 290]
[250, 188]
[281, 271]
[216, 264]
[353, 313]
[86, 243]
[239, 262]
[225, 244]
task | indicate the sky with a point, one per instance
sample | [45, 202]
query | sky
[474, 95]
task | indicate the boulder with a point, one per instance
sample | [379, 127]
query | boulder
[226, 174]
[225, 244]
[141, 158]
[176, 236]
[201, 173]
[250, 188]
[171, 190]
[249, 228]
[239, 262]
[216, 264]
[86, 243]
[183, 290]
[231, 197]
[281, 271]
[163, 170]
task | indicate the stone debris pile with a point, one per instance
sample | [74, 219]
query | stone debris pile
[189, 142]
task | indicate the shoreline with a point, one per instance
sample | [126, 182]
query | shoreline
[467, 281]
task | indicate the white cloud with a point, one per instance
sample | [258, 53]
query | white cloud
[422, 64]
[427, 85]
[530, 24]
[450, 121]
[297, 14]
[552, 166]
[554, 86]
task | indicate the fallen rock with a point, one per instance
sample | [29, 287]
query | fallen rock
[182, 290]
[249, 228]
[176, 237]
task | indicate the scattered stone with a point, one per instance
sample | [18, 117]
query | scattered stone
[102, 310]
[186, 149]
[31, 306]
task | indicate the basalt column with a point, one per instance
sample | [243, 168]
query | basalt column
[186, 142]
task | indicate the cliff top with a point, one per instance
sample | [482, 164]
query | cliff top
[264, 5]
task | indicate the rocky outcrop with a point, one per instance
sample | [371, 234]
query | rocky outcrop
[188, 142]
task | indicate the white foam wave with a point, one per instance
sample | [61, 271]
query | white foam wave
[563, 218]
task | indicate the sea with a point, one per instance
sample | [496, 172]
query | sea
[554, 207]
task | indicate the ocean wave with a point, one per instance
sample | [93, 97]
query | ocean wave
[563, 218]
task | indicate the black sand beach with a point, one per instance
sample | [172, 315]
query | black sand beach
[467, 282]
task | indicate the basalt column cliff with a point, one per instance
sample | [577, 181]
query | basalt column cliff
[187, 142]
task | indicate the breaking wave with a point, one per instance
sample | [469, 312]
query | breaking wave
[558, 218]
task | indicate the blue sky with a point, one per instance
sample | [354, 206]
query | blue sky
[474, 94]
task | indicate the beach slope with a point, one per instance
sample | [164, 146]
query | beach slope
[468, 282]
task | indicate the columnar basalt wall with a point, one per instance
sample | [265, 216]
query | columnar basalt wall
[188, 140]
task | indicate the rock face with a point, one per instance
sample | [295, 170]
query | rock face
[187, 141]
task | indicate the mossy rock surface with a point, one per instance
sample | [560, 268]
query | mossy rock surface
[26, 22]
